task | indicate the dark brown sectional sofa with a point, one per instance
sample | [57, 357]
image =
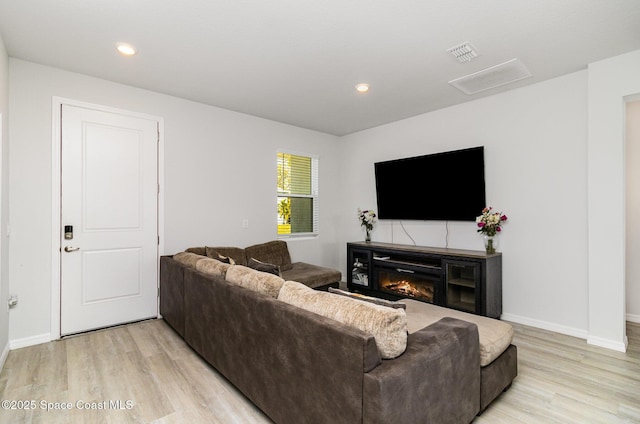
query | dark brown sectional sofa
[301, 367]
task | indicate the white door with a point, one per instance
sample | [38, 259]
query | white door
[109, 196]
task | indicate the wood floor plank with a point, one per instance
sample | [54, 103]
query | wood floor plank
[561, 379]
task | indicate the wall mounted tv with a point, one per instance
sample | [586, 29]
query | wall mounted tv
[446, 186]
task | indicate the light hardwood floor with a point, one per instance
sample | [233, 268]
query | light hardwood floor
[561, 380]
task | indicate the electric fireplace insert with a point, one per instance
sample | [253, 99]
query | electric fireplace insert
[408, 281]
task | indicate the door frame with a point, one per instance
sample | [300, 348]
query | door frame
[56, 192]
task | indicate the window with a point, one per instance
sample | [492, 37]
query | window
[297, 202]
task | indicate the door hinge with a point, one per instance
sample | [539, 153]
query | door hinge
[158, 240]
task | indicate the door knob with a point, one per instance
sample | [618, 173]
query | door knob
[70, 249]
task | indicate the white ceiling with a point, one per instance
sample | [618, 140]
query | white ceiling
[297, 61]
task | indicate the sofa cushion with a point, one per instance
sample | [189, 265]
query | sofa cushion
[236, 272]
[212, 267]
[258, 281]
[274, 252]
[197, 250]
[311, 275]
[235, 253]
[188, 258]
[264, 267]
[375, 300]
[495, 335]
[387, 325]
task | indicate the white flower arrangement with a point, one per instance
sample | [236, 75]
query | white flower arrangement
[367, 218]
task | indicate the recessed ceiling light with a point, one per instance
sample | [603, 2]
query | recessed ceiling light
[126, 49]
[362, 88]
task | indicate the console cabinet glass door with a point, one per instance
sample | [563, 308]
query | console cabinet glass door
[463, 286]
[360, 267]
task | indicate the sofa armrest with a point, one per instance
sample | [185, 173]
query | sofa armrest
[436, 380]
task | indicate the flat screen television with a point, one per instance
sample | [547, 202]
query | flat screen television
[446, 186]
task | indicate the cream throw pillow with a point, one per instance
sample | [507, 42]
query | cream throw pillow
[387, 325]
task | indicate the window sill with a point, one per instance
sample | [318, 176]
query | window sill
[289, 237]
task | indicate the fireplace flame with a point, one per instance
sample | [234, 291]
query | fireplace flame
[406, 288]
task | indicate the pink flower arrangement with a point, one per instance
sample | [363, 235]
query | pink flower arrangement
[489, 223]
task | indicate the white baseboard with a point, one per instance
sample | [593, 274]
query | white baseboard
[570, 331]
[29, 341]
[3, 356]
[609, 344]
[545, 325]
[633, 318]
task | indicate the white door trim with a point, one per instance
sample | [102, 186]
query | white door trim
[56, 152]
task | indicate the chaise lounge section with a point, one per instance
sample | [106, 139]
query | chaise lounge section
[498, 357]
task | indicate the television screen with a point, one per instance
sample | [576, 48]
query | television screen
[446, 186]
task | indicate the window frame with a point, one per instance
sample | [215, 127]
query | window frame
[315, 165]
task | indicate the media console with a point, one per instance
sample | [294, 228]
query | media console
[467, 280]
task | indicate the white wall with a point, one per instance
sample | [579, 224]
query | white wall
[535, 142]
[219, 170]
[4, 201]
[610, 82]
[632, 159]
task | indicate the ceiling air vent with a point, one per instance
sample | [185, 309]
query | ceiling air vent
[463, 52]
[495, 76]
